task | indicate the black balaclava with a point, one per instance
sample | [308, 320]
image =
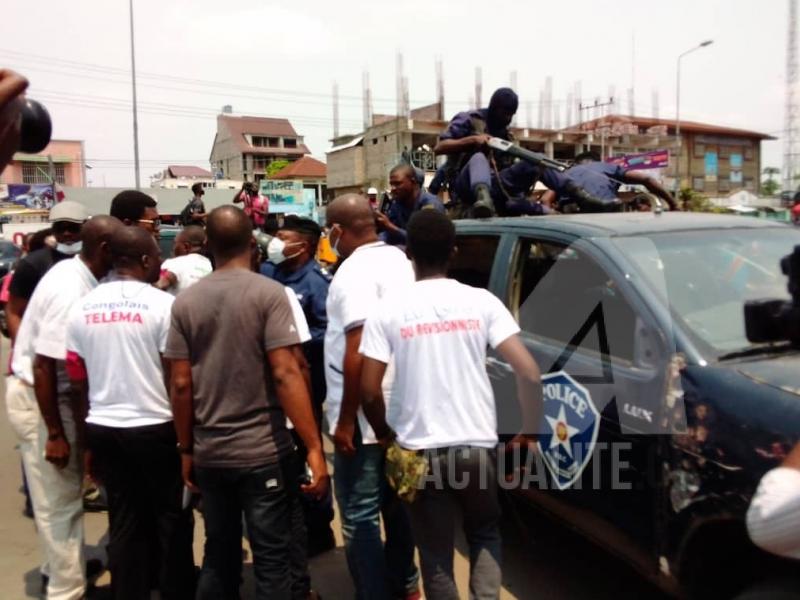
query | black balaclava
[503, 100]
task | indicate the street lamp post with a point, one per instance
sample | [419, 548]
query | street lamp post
[678, 116]
[135, 107]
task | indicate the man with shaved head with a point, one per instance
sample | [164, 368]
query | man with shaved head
[188, 265]
[407, 198]
[53, 462]
[371, 271]
[115, 338]
[235, 378]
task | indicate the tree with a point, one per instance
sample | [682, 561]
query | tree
[770, 186]
[274, 167]
[694, 201]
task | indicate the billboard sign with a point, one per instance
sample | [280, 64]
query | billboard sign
[36, 197]
[287, 196]
[656, 159]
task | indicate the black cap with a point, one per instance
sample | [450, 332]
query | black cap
[301, 225]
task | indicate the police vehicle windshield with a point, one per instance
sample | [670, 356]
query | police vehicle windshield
[707, 276]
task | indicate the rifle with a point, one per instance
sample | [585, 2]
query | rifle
[536, 158]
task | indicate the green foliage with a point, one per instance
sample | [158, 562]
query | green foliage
[275, 166]
[694, 201]
[770, 187]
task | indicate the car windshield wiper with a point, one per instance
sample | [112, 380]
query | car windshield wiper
[758, 350]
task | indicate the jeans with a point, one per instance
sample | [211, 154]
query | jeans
[516, 180]
[141, 471]
[465, 478]
[379, 571]
[269, 497]
[55, 493]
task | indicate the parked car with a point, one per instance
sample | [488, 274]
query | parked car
[167, 235]
[659, 416]
[9, 255]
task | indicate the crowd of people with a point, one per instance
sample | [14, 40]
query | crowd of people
[205, 381]
[172, 382]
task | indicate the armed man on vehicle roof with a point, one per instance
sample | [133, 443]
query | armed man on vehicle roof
[480, 179]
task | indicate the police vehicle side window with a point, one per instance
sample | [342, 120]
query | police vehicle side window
[474, 259]
[558, 291]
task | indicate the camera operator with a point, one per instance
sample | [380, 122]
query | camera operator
[255, 207]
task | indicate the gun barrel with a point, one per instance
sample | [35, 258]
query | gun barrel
[537, 158]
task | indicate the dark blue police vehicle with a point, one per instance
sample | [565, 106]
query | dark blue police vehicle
[660, 417]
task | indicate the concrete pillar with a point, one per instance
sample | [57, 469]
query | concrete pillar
[549, 149]
[578, 149]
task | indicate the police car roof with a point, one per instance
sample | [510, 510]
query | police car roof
[619, 224]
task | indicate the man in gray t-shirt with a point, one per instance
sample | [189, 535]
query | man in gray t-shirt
[235, 377]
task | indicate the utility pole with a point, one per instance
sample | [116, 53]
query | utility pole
[790, 154]
[597, 106]
[135, 106]
[677, 186]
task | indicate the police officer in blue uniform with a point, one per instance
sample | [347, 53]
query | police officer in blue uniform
[600, 180]
[487, 182]
[291, 262]
[407, 198]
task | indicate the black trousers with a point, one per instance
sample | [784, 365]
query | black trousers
[269, 497]
[150, 533]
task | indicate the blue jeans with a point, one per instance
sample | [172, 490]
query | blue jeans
[516, 180]
[269, 496]
[379, 571]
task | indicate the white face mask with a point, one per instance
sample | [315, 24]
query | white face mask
[275, 250]
[69, 249]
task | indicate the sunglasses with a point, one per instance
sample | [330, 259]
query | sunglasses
[60, 227]
[153, 222]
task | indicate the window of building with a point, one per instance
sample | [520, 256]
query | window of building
[260, 141]
[36, 172]
[724, 184]
[724, 151]
[698, 184]
[699, 150]
[473, 262]
[289, 143]
[374, 141]
[561, 294]
[748, 153]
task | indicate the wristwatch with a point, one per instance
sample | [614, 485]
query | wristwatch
[183, 449]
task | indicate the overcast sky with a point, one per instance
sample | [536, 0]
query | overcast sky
[77, 56]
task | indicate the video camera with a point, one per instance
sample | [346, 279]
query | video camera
[777, 320]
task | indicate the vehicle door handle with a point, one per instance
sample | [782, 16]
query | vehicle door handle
[498, 364]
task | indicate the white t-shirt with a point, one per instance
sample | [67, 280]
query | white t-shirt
[369, 276]
[437, 332]
[303, 332]
[119, 330]
[44, 326]
[773, 520]
[188, 269]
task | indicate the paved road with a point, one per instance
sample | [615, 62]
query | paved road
[549, 562]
